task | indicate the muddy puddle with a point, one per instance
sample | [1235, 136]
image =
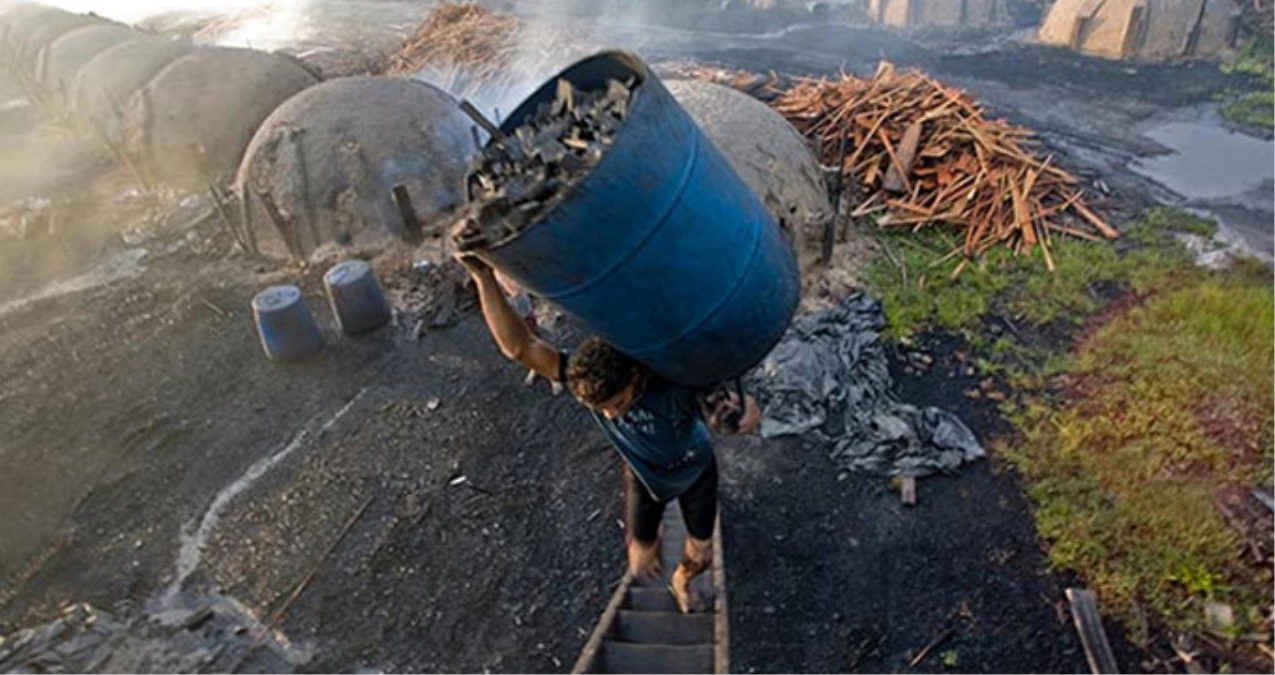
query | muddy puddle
[1220, 173]
[1208, 161]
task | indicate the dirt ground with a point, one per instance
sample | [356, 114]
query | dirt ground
[132, 406]
[154, 458]
[831, 573]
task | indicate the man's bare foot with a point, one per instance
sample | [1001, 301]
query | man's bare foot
[695, 558]
[680, 589]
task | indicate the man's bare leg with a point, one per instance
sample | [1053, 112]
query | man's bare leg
[644, 559]
[695, 559]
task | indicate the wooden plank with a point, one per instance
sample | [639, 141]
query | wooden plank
[1133, 28]
[1106, 230]
[669, 628]
[1079, 29]
[1084, 612]
[623, 657]
[721, 611]
[647, 599]
[588, 661]
[908, 491]
[896, 179]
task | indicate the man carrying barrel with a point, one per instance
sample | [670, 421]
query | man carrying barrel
[660, 429]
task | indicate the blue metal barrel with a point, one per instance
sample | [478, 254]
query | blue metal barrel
[662, 249]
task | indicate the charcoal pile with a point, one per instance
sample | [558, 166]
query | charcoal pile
[520, 176]
[431, 294]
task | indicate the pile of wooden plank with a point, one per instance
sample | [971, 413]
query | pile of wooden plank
[468, 48]
[925, 155]
[458, 34]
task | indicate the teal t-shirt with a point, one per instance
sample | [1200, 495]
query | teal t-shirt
[663, 437]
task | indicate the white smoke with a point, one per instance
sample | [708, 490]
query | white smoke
[551, 36]
[261, 24]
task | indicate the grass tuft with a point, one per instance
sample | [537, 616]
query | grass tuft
[1124, 473]
[1254, 103]
[1126, 440]
[1020, 287]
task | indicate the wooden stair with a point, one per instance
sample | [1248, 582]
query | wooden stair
[642, 631]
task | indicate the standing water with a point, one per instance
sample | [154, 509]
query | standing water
[1227, 175]
[1208, 161]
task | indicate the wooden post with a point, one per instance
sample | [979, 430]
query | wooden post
[220, 207]
[481, 120]
[1132, 29]
[830, 227]
[303, 175]
[721, 613]
[1193, 36]
[907, 490]
[246, 220]
[411, 223]
[291, 238]
[1084, 612]
[588, 659]
[1081, 22]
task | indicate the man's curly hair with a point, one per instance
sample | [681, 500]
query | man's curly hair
[596, 371]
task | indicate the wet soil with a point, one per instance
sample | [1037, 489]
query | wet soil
[832, 573]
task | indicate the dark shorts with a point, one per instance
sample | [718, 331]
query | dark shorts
[643, 513]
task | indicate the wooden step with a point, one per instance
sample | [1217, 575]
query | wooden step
[644, 610]
[648, 599]
[668, 628]
[622, 657]
[671, 552]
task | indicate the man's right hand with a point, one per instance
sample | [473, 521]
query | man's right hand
[477, 267]
[513, 337]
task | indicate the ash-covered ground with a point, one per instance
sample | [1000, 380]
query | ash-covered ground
[155, 464]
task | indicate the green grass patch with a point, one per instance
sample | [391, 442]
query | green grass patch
[1254, 103]
[1020, 286]
[1123, 440]
[1255, 108]
[1256, 58]
[1123, 473]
